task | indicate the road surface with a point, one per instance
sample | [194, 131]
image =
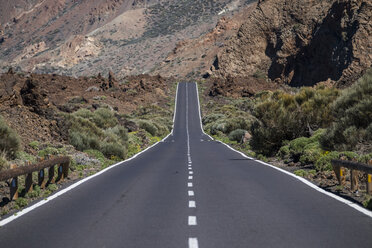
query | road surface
[190, 191]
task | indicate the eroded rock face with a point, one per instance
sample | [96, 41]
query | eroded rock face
[302, 42]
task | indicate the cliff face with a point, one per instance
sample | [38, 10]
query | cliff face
[301, 42]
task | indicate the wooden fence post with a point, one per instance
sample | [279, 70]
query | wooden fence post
[354, 174]
[41, 180]
[51, 175]
[60, 176]
[28, 182]
[339, 174]
[65, 169]
[14, 185]
[369, 181]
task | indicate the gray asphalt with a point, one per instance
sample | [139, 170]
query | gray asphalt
[144, 202]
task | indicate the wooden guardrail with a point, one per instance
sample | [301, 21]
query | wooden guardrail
[13, 174]
[355, 168]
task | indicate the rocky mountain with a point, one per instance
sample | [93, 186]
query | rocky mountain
[90, 36]
[288, 42]
[302, 42]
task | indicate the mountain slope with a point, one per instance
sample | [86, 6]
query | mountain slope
[293, 45]
[85, 37]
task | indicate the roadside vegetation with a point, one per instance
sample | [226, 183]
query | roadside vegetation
[303, 128]
[95, 139]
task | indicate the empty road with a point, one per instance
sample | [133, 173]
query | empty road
[190, 191]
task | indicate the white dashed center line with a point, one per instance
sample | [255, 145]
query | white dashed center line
[191, 193]
[193, 243]
[189, 185]
[190, 172]
[192, 204]
[190, 177]
[192, 221]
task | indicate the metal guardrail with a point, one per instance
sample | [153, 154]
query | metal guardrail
[13, 174]
[355, 168]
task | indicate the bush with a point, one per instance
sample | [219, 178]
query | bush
[237, 135]
[21, 202]
[148, 126]
[324, 162]
[9, 140]
[121, 132]
[212, 118]
[34, 145]
[83, 141]
[84, 113]
[283, 116]
[352, 128]
[48, 151]
[104, 118]
[303, 150]
[3, 162]
[34, 193]
[111, 150]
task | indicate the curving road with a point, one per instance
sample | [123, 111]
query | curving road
[190, 191]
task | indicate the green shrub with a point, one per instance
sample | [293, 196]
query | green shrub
[365, 158]
[3, 161]
[52, 187]
[324, 162]
[284, 152]
[34, 145]
[285, 116]
[9, 140]
[212, 118]
[84, 141]
[304, 173]
[113, 150]
[24, 156]
[148, 126]
[134, 144]
[262, 158]
[84, 113]
[121, 132]
[352, 128]
[104, 118]
[237, 135]
[81, 125]
[48, 151]
[21, 202]
[34, 193]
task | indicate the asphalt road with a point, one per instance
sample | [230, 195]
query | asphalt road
[189, 191]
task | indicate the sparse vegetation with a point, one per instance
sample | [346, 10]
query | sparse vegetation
[352, 125]
[9, 140]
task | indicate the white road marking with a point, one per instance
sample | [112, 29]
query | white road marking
[190, 168]
[191, 172]
[190, 178]
[192, 221]
[189, 185]
[192, 204]
[190, 162]
[191, 193]
[193, 243]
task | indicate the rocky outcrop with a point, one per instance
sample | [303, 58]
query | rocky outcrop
[301, 42]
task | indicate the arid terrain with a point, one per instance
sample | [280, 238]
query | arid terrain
[86, 37]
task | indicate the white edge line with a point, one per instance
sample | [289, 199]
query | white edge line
[303, 180]
[200, 119]
[175, 108]
[61, 192]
